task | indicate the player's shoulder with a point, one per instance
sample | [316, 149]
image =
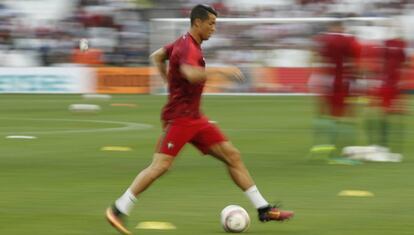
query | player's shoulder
[185, 38]
[397, 42]
[183, 42]
[336, 36]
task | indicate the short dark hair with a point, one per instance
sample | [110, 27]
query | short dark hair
[201, 12]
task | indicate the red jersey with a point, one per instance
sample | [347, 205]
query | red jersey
[394, 58]
[338, 50]
[184, 97]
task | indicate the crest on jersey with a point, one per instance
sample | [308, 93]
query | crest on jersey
[170, 145]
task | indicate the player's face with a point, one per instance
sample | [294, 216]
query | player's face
[208, 27]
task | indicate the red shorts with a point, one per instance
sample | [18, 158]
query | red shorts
[199, 132]
[388, 98]
[333, 101]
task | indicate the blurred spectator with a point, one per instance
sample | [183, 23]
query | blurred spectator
[121, 28]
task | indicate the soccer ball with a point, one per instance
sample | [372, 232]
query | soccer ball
[235, 219]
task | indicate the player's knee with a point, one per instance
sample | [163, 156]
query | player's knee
[163, 167]
[160, 167]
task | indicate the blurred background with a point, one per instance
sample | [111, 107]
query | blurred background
[46, 32]
[257, 36]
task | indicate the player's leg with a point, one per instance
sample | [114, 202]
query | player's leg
[211, 141]
[377, 124]
[228, 154]
[169, 145]
[124, 204]
[398, 134]
[345, 123]
[395, 116]
[323, 122]
[160, 164]
[371, 125]
[323, 130]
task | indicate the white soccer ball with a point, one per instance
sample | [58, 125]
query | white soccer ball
[83, 44]
[235, 219]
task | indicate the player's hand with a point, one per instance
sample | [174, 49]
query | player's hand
[235, 73]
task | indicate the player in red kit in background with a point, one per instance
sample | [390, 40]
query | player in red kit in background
[387, 94]
[337, 53]
[184, 123]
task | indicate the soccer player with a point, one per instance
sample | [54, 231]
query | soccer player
[184, 123]
[338, 53]
[388, 96]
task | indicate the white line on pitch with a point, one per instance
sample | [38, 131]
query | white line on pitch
[126, 126]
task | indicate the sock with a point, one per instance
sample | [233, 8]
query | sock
[324, 131]
[255, 197]
[347, 134]
[371, 131]
[126, 202]
[384, 132]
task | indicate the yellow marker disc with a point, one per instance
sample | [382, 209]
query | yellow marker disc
[322, 148]
[116, 148]
[155, 225]
[355, 193]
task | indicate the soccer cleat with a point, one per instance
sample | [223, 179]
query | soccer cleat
[115, 218]
[274, 213]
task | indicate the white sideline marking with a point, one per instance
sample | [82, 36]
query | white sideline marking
[97, 96]
[84, 108]
[20, 137]
[126, 126]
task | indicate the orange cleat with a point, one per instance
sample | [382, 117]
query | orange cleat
[274, 213]
[115, 218]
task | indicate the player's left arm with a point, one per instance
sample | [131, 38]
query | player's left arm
[356, 48]
[228, 72]
[406, 66]
[159, 59]
[196, 74]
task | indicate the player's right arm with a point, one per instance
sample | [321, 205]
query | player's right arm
[159, 59]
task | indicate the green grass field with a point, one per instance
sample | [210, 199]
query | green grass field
[61, 182]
